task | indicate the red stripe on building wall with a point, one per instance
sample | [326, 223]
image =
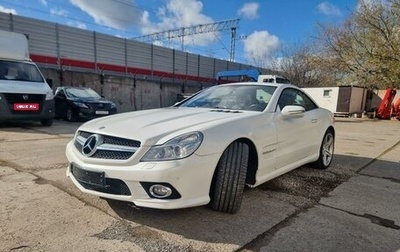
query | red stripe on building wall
[44, 59]
[115, 68]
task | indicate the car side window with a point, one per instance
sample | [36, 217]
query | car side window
[287, 97]
[303, 100]
[291, 96]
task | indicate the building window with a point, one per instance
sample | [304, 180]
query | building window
[327, 92]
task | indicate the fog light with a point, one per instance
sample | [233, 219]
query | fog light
[160, 191]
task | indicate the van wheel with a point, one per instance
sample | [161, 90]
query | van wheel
[46, 122]
[69, 115]
[326, 151]
[229, 178]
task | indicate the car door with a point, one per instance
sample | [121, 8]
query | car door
[296, 135]
[264, 133]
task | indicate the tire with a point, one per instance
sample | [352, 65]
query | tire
[229, 179]
[46, 122]
[69, 115]
[326, 151]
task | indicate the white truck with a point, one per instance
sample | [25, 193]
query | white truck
[24, 92]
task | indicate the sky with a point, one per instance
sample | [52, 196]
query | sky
[264, 26]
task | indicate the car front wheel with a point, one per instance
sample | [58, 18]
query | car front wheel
[229, 178]
[70, 115]
[326, 151]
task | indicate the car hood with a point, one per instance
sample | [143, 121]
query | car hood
[90, 100]
[150, 126]
[27, 87]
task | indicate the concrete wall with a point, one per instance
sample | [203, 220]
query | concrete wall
[129, 93]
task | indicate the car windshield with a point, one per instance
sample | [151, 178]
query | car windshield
[236, 97]
[21, 71]
[85, 93]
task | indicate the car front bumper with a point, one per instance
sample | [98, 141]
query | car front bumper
[46, 111]
[88, 113]
[190, 178]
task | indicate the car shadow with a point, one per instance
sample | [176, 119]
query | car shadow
[262, 208]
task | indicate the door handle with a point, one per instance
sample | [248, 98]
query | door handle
[314, 120]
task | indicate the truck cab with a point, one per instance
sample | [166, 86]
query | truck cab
[24, 92]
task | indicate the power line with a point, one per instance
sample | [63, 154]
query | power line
[230, 24]
[179, 32]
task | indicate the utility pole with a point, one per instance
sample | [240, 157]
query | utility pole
[233, 44]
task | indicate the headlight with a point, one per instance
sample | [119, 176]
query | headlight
[113, 105]
[81, 105]
[176, 148]
[49, 95]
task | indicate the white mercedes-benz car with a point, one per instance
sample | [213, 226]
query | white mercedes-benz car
[203, 150]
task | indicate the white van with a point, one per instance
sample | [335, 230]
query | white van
[270, 78]
[24, 92]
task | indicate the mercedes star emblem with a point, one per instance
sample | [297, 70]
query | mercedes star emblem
[91, 144]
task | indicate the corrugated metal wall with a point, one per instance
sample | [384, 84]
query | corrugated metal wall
[135, 54]
[73, 44]
[110, 50]
[76, 49]
[163, 59]
[180, 63]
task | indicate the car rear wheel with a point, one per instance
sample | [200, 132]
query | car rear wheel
[326, 151]
[70, 115]
[229, 178]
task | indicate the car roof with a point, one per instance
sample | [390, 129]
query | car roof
[75, 87]
[70, 87]
[283, 85]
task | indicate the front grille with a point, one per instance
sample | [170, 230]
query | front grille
[111, 147]
[98, 105]
[101, 105]
[118, 155]
[112, 186]
[19, 98]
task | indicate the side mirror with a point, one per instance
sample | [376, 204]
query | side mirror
[290, 111]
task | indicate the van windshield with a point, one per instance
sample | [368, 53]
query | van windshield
[20, 71]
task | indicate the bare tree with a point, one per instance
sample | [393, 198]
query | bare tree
[366, 48]
[363, 50]
[300, 64]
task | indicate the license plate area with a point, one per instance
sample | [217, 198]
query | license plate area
[89, 177]
[100, 112]
[26, 106]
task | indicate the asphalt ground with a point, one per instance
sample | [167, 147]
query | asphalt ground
[352, 206]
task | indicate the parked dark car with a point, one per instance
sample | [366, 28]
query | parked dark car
[79, 103]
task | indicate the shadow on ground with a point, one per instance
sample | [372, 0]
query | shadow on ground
[263, 207]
